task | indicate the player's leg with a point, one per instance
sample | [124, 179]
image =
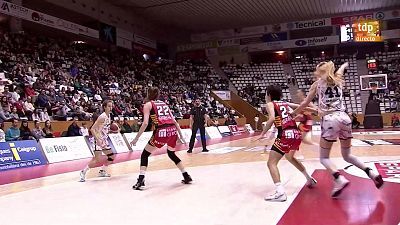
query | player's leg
[311, 182]
[144, 162]
[110, 159]
[345, 146]
[171, 144]
[93, 162]
[274, 156]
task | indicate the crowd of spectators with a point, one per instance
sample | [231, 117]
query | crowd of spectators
[45, 79]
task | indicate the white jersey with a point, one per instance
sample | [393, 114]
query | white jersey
[330, 98]
[104, 127]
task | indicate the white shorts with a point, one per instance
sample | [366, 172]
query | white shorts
[336, 125]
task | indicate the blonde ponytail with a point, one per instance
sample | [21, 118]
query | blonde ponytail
[327, 71]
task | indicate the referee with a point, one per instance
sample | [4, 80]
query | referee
[198, 118]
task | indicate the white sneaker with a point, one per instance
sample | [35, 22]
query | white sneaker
[103, 173]
[82, 176]
[311, 183]
[339, 184]
[276, 197]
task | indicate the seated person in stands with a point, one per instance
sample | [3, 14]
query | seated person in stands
[230, 121]
[395, 120]
[48, 131]
[2, 134]
[125, 127]
[13, 133]
[37, 131]
[354, 122]
[14, 113]
[136, 126]
[74, 129]
[3, 116]
[25, 132]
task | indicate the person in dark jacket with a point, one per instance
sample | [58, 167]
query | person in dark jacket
[74, 129]
[25, 132]
[126, 128]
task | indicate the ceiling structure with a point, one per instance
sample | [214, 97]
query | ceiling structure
[208, 15]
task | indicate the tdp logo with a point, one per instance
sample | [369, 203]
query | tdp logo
[5, 7]
[14, 151]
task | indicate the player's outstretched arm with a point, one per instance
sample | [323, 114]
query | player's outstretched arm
[270, 121]
[146, 116]
[308, 99]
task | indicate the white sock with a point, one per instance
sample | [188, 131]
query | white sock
[104, 168]
[142, 172]
[86, 169]
[279, 188]
[308, 177]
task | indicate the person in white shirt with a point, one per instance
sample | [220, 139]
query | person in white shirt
[84, 130]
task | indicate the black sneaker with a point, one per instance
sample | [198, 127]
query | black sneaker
[187, 179]
[378, 181]
[139, 185]
[189, 151]
[205, 150]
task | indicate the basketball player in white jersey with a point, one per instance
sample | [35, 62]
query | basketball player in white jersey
[100, 130]
[335, 123]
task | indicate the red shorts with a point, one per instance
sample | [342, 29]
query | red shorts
[165, 135]
[290, 141]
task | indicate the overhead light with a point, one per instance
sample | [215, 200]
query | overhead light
[398, 45]
[322, 52]
[280, 52]
[79, 42]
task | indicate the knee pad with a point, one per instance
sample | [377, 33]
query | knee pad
[173, 157]
[110, 157]
[144, 158]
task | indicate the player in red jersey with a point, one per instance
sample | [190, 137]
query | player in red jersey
[166, 132]
[306, 122]
[286, 143]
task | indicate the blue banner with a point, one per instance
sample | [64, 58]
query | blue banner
[271, 37]
[20, 154]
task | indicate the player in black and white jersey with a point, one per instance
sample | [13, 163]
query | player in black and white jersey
[335, 122]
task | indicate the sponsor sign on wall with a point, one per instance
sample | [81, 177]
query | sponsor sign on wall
[295, 43]
[228, 42]
[195, 46]
[65, 148]
[118, 143]
[343, 20]
[224, 130]
[187, 133]
[271, 37]
[142, 142]
[20, 154]
[145, 41]
[309, 24]
[224, 95]
[44, 19]
[213, 132]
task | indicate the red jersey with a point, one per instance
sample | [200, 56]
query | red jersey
[283, 118]
[160, 114]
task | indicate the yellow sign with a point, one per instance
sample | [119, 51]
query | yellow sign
[367, 31]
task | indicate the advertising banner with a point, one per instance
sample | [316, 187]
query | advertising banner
[145, 41]
[196, 46]
[249, 128]
[21, 12]
[224, 130]
[387, 15]
[108, 33]
[187, 133]
[142, 142]
[342, 20]
[271, 37]
[213, 132]
[118, 143]
[228, 42]
[234, 129]
[20, 154]
[224, 95]
[309, 24]
[65, 148]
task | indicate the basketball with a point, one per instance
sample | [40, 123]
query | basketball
[114, 128]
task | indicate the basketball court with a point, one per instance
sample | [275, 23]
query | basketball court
[229, 185]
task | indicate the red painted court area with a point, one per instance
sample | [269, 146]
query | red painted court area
[359, 204]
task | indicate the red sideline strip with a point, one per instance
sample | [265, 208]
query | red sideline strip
[359, 204]
[17, 175]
